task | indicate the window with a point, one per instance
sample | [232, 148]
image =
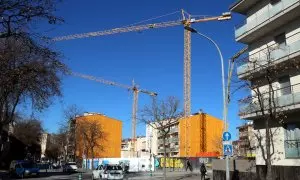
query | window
[292, 141]
[273, 2]
[280, 39]
[292, 132]
[285, 85]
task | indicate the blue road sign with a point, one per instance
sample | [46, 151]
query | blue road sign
[227, 150]
[226, 136]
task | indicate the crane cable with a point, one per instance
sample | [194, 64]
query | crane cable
[153, 18]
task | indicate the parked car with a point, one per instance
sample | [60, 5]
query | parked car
[108, 172]
[23, 168]
[97, 172]
[70, 167]
[55, 166]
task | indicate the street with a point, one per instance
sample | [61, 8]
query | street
[57, 175]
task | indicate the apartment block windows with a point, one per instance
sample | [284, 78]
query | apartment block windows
[280, 40]
[285, 85]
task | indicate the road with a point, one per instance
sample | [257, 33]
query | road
[58, 175]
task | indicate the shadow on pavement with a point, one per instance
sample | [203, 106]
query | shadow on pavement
[5, 176]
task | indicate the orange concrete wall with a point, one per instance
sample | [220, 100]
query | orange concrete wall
[213, 129]
[112, 129]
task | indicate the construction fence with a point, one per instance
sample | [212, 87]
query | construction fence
[180, 163]
[154, 164]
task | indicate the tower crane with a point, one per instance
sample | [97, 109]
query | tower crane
[186, 21]
[135, 90]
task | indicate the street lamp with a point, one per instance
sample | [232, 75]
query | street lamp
[223, 86]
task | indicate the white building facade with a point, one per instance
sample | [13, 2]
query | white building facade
[140, 148]
[272, 32]
[155, 141]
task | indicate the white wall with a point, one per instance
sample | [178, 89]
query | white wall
[151, 139]
[279, 157]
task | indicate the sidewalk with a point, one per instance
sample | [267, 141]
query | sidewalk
[170, 175]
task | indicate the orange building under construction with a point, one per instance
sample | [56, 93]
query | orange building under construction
[200, 136]
[107, 146]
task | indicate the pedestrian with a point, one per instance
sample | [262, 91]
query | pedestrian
[203, 171]
[188, 166]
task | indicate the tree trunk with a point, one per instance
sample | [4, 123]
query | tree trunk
[268, 152]
[165, 155]
[92, 152]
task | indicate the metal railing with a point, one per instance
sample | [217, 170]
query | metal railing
[162, 150]
[251, 104]
[292, 148]
[174, 130]
[261, 17]
[174, 149]
[173, 139]
[271, 54]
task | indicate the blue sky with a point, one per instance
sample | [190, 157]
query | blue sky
[153, 58]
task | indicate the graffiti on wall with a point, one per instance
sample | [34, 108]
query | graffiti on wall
[180, 163]
[170, 163]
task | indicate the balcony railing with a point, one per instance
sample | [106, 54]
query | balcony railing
[173, 139]
[268, 55]
[162, 150]
[173, 130]
[251, 105]
[292, 148]
[174, 149]
[262, 17]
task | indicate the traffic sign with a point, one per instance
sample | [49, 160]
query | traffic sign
[226, 136]
[227, 150]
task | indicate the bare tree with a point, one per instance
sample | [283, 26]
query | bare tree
[18, 15]
[28, 131]
[91, 134]
[29, 70]
[162, 117]
[264, 99]
[67, 131]
[53, 150]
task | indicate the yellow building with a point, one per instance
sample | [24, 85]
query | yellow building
[200, 136]
[110, 144]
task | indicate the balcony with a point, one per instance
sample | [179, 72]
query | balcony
[174, 149]
[256, 62]
[249, 108]
[174, 130]
[292, 148]
[265, 21]
[161, 141]
[173, 140]
[242, 6]
[162, 150]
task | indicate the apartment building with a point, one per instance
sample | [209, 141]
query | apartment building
[199, 135]
[155, 141]
[271, 31]
[245, 145]
[140, 148]
[110, 144]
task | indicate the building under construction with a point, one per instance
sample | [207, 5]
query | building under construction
[200, 136]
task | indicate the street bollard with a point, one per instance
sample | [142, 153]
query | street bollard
[80, 176]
